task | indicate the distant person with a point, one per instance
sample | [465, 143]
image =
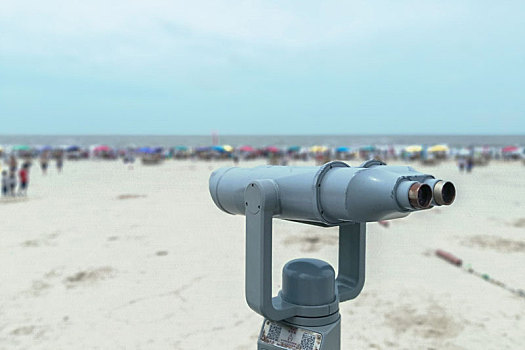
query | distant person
[470, 164]
[461, 164]
[44, 162]
[12, 183]
[5, 183]
[23, 174]
[13, 164]
[60, 161]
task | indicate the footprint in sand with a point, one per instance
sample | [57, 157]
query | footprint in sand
[494, 242]
[89, 276]
[311, 242]
[46, 240]
[519, 223]
[430, 323]
[131, 196]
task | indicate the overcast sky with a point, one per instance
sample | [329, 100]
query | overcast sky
[262, 67]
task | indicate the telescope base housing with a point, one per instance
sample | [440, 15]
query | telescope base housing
[283, 335]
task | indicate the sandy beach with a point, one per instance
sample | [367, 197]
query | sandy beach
[102, 257]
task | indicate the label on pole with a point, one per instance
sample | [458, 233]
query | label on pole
[290, 338]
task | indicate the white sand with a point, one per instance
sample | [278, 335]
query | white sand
[163, 268]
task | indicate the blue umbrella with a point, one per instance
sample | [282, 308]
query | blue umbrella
[144, 150]
[219, 149]
[342, 149]
[46, 148]
[294, 149]
[202, 149]
[73, 148]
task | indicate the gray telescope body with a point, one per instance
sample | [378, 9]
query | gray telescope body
[329, 195]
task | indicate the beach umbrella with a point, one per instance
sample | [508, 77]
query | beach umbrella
[21, 148]
[45, 148]
[438, 148]
[294, 149]
[219, 149]
[464, 152]
[342, 149]
[228, 148]
[510, 149]
[144, 150]
[413, 149]
[181, 148]
[369, 148]
[272, 149]
[102, 148]
[73, 148]
[316, 149]
[203, 149]
[246, 149]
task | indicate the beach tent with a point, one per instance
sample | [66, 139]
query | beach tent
[438, 148]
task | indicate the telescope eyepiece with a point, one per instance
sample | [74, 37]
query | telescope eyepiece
[420, 195]
[444, 193]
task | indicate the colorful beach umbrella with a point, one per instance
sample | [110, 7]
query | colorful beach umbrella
[342, 149]
[181, 148]
[219, 149]
[246, 149]
[294, 149]
[413, 149]
[21, 148]
[102, 148]
[368, 148]
[510, 149]
[228, 148]
[318, 148]
[73, 148]
[438, 148]
[272, 149]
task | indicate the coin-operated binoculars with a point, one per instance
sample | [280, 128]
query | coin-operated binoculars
[305, 313]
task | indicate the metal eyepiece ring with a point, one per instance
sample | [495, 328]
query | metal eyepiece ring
[444, 193]
[420, 195]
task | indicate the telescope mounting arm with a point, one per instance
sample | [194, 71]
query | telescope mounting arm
[261, 204]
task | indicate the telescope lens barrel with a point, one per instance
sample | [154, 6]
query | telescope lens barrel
[444, 193]
[420, 195]
[334, 193]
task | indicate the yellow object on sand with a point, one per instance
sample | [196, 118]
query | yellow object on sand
[414, 149]
[316, 149]
[439, 148]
